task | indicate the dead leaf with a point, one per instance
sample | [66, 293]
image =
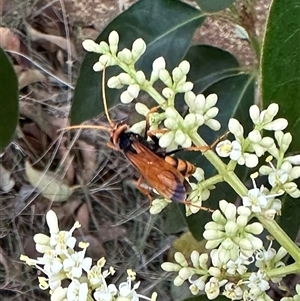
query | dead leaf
[6, 182]
[49, 184]
[61, 42]
[89, 161]
[83, 217]
[95, 249]
[9, 40]
[27, 77]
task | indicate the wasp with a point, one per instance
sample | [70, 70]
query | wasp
[161, 172]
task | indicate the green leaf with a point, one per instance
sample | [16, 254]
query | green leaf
[9, 100]
[280, 63]
[214, 5]
[167, 26]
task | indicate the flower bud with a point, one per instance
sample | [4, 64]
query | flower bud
[177, 75]
[125, 56]
[185, 87]
[159, 64]
[184, 66]
[114, 83]
[165, 77]
[166, 139]
[141, 108]
[125, 78]
[98, 67]
[195, 259]
[213, 124]
[126, 97]
[255, 228]
[104, 47]
[91, 46]
[178, 281]
[133, 90]
[231, 228]
[105, 60]
[254, 136]
[180, 259]
[185, 273]
[113, 40]
[211, 100]
[140, 77]
[170, 267]
[167, 93]
[138, 48]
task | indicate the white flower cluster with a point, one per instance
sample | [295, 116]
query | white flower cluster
[177, 130]
[70, 275]
[248, 150]
[234, 247]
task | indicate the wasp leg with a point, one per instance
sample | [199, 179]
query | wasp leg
[207, 147]
[189, 203]
[112, 146]
[143, 190]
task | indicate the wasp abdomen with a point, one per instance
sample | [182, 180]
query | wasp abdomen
[184, 167]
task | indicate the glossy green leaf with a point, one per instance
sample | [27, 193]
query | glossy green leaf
[214, 5]
[280, 63]
[9, 100]
[167, 26]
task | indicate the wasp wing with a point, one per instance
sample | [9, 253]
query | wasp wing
[158, 173]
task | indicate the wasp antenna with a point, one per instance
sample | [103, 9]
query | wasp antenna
[80, 127]
[104, 99]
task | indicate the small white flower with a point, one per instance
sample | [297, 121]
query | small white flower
[59, 294]
[233, 291]
[197, 284]
[76, 262]
[212, 287]
[258, 283]
[77, 291]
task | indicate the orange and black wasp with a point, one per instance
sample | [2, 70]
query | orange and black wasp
[166, 174]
